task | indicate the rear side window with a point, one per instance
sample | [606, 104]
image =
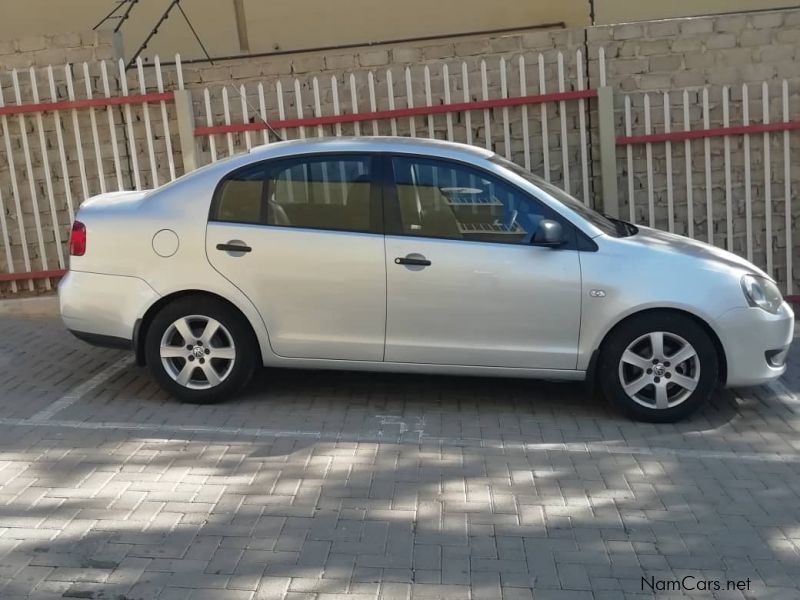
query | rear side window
[318, 192]
[240, 197]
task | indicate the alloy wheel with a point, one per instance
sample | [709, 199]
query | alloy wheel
[198, 352]
[659, 370]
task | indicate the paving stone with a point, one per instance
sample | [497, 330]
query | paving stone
[179, 504]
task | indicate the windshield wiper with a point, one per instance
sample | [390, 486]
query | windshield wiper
[624, 229]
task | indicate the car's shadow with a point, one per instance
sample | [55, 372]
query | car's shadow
[413, 394]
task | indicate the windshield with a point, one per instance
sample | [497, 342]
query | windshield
[609, 226]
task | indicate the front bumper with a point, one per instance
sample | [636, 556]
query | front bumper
[747, 335]
[99, 308]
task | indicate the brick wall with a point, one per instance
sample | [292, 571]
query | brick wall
[74, 131]
[360, 62]
[716, 50]
[41, 51]
[708, 53]
[642, 58]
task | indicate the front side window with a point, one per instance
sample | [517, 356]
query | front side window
[595, 218]
[308, 192]
[451, 200]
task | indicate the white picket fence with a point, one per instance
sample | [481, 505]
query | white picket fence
[730, 172]
[76, 135]
[676, 162]
[448, 101]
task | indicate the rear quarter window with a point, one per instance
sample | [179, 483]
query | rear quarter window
[240, 196]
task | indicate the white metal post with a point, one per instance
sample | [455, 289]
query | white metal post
[185, 115]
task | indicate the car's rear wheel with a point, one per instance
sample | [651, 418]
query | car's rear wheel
[659, 367]
[200, 350]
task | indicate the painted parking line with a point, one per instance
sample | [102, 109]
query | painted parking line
[78, 392]
[380, 436]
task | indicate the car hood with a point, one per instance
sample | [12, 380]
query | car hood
[670, 243]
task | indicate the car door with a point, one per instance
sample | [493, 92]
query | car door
[302, 238]
[464, 284]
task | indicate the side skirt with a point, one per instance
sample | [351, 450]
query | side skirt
[394, 367]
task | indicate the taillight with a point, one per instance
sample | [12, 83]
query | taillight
[77, 239]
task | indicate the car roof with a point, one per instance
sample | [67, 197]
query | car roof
[209, 174]
[368, 144]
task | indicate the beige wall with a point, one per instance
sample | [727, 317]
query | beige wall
[624, 11]
[284, 24]
[214, 20]
[299, 24]
[329, 23]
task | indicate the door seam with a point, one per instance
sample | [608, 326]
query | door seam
[580, 310]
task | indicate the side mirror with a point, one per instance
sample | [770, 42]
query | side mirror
[549, 234]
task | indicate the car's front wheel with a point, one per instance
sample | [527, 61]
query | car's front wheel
[659, 367]
[200, 350]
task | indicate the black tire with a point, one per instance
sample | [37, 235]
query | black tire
[239, 371]
[703, 369]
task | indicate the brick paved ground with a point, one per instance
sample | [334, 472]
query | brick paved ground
[326, 485]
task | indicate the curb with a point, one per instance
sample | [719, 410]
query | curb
[40, 306]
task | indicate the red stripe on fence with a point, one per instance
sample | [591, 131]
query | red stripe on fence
[85, 103]
[677, 136]
[31, 275]
[398, 113]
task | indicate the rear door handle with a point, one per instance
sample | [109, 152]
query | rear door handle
[409, 260]
[234, 248]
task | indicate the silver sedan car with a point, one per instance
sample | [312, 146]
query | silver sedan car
[403, 255]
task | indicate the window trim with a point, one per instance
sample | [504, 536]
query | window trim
[393, 225]
[376, 217]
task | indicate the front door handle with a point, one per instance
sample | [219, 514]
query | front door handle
[234, 247]
[411, 260]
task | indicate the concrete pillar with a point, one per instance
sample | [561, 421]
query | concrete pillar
[608, 150]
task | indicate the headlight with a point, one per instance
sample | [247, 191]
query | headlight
[761, 292]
